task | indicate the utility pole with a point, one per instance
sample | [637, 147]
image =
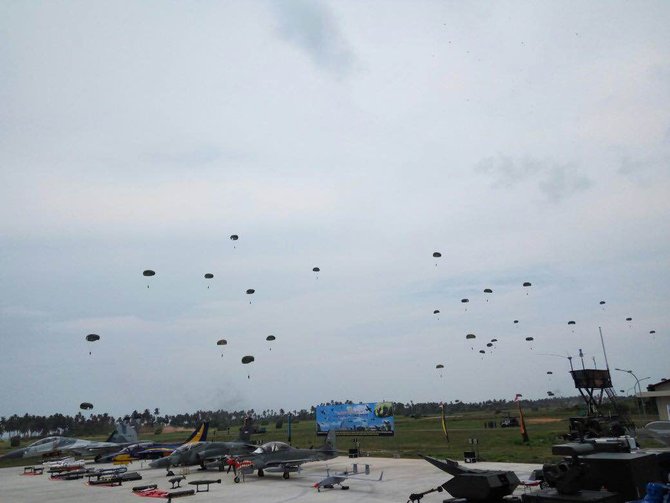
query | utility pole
[639, 389]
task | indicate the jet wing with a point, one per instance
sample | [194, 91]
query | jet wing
[156, 451]
[286, 462]
[92, 448]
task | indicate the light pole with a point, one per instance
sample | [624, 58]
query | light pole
[639, 388]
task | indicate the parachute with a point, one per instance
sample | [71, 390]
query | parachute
[437, 311]
[487, 290]
[92, 338]
[316, 269]
[470, 337]
[482, 351]
[516, 321]
[209, 275]
[494, 340]
[550, 393]
[270, 338]
[489, 344]
[250, 291]
[437, 254]
[465, 301]
[85, 406]
[571, 322]
[246, 360]
[629, 319]
[602, 302]
[439, 366]
[652, 331]
[527, 284]
[148, 273]
[549, 372]
[221, 342]
[529, 339]
[234, 237]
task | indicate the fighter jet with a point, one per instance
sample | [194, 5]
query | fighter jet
[281, 457]
[154, 450]
[198, 453]
[53, 446]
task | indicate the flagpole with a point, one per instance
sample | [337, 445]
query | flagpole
[444, 423]
[522, 422]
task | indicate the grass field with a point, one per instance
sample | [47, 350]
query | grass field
[423, 435]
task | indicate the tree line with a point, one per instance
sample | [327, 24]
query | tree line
[30, 425]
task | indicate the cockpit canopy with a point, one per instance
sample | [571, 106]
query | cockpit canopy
[272, 447]
[186, 447]
[48, 440]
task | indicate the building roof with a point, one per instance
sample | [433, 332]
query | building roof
[663, 385]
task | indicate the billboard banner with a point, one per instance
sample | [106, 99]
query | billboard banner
[374, 418]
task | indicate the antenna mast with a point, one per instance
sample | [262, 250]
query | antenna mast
[602, 342]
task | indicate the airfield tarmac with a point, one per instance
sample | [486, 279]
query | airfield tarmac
[401, 477]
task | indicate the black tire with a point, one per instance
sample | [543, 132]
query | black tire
[236, 480]
[285, 475]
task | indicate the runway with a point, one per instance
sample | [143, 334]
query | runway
[401, 477]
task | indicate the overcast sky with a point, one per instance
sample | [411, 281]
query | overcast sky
[525, 141]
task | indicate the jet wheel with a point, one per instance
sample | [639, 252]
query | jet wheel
[261, 473]
[237, 480]
[285, 475]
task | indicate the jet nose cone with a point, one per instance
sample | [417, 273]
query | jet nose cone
[14, 454]
[160, 463]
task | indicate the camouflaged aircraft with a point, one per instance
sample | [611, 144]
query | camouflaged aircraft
[124, 434]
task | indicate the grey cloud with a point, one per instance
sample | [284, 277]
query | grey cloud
[643, 170]
[561, 181]
[555, 181]
[311, 27]
[507, 172]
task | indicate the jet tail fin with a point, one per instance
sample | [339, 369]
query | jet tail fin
[329, 445]
[125, 433]
[199, 434]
